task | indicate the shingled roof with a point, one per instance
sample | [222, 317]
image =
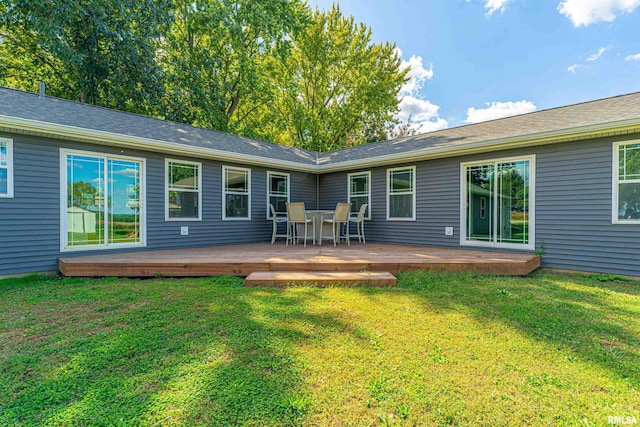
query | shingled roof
[58, 111]
[572, 122]
[23, 111]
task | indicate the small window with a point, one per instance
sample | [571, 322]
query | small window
[278, 192]
[6, 167]
[360, 191]
[183, 191]
[236, 193]
[626, 207]
[401, 195]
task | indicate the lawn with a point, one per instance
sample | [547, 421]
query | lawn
[439, 349]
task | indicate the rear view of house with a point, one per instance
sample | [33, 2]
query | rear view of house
[80, 180]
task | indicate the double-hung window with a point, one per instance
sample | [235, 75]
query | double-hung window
[497, 203]
[278, 192]
[183, 196]
[102, 202]
[401, 194]
[6, 167]
[360, 191]
[626, 183]
[236, 190]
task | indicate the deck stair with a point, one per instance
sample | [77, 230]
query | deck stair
[320, 278]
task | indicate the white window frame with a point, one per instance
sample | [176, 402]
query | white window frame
[269, 190]
[63, 202]
[532, 204]
[349, 195]
[615, 190]
[413, 192]
[167, 189]
[224, 193]
[9, 168]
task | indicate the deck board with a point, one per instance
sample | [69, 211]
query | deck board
[241, 260]
[320, 278]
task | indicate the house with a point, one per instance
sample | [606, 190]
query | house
[79, 180]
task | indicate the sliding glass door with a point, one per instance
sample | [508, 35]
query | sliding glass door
[498, 203]
[102, 201]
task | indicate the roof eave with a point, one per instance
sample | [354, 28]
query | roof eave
[28, 126]
[528, 140]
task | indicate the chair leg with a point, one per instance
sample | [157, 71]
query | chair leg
[288, 231]
[333, 227]
[275, 230]
[305, 234]
[362, 231]
[346, 225]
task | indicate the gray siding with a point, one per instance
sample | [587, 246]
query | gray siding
[30, 222]
[573, 207]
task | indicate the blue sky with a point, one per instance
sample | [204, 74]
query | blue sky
[475, 60]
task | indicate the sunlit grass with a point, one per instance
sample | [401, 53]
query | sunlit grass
[440, 349]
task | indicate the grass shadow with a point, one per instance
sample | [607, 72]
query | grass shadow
[169, 352]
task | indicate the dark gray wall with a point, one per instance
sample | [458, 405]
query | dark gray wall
[30, 222]
[573, 206]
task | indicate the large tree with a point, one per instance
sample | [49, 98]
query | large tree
[215, 54]
[336, 88]
[95, 51]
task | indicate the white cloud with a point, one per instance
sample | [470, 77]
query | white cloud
[635, 57]
[574, 67]
[423, 113]
[417, 74]
[496, 5]
[598, 54]
[587, 12]
[496, 110]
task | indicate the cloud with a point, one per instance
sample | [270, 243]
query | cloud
[587, 12]
[635, 57]
[574, 67]
[496, 5]
[598, 54]
[423, 113]
[417, 74]
[496, 110]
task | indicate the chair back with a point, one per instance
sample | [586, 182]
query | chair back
[273, 211]
[342, 212]
[362, 211]
[296, 212]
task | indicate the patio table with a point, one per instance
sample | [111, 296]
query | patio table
[318, 215]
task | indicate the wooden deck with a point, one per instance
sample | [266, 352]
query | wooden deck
[242, 260]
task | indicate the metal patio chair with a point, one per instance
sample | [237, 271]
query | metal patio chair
[357, 218]
[296, 215]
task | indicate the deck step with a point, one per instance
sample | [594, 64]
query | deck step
[320, 278]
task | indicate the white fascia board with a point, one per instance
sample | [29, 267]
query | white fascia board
[527, 140]
[120, 140]
[148, 144]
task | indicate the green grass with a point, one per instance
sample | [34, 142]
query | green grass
[440, 349]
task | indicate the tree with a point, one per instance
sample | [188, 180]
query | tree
[95, 51]
[214, 56]
[336, 88]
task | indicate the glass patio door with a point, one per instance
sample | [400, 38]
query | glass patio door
[498, 203]
[103, 205]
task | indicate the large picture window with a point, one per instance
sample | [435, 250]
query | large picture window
[401, 194]
[6, 167]
[626, 191]
[278, 192]
[102, 200]
[183, 194]
[498, 203]
[360, 191]
[236, 193]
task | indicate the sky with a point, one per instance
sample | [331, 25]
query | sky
[477, 60]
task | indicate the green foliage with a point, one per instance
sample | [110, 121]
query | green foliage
[214, 55]
[336, 88]
[95, 51]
